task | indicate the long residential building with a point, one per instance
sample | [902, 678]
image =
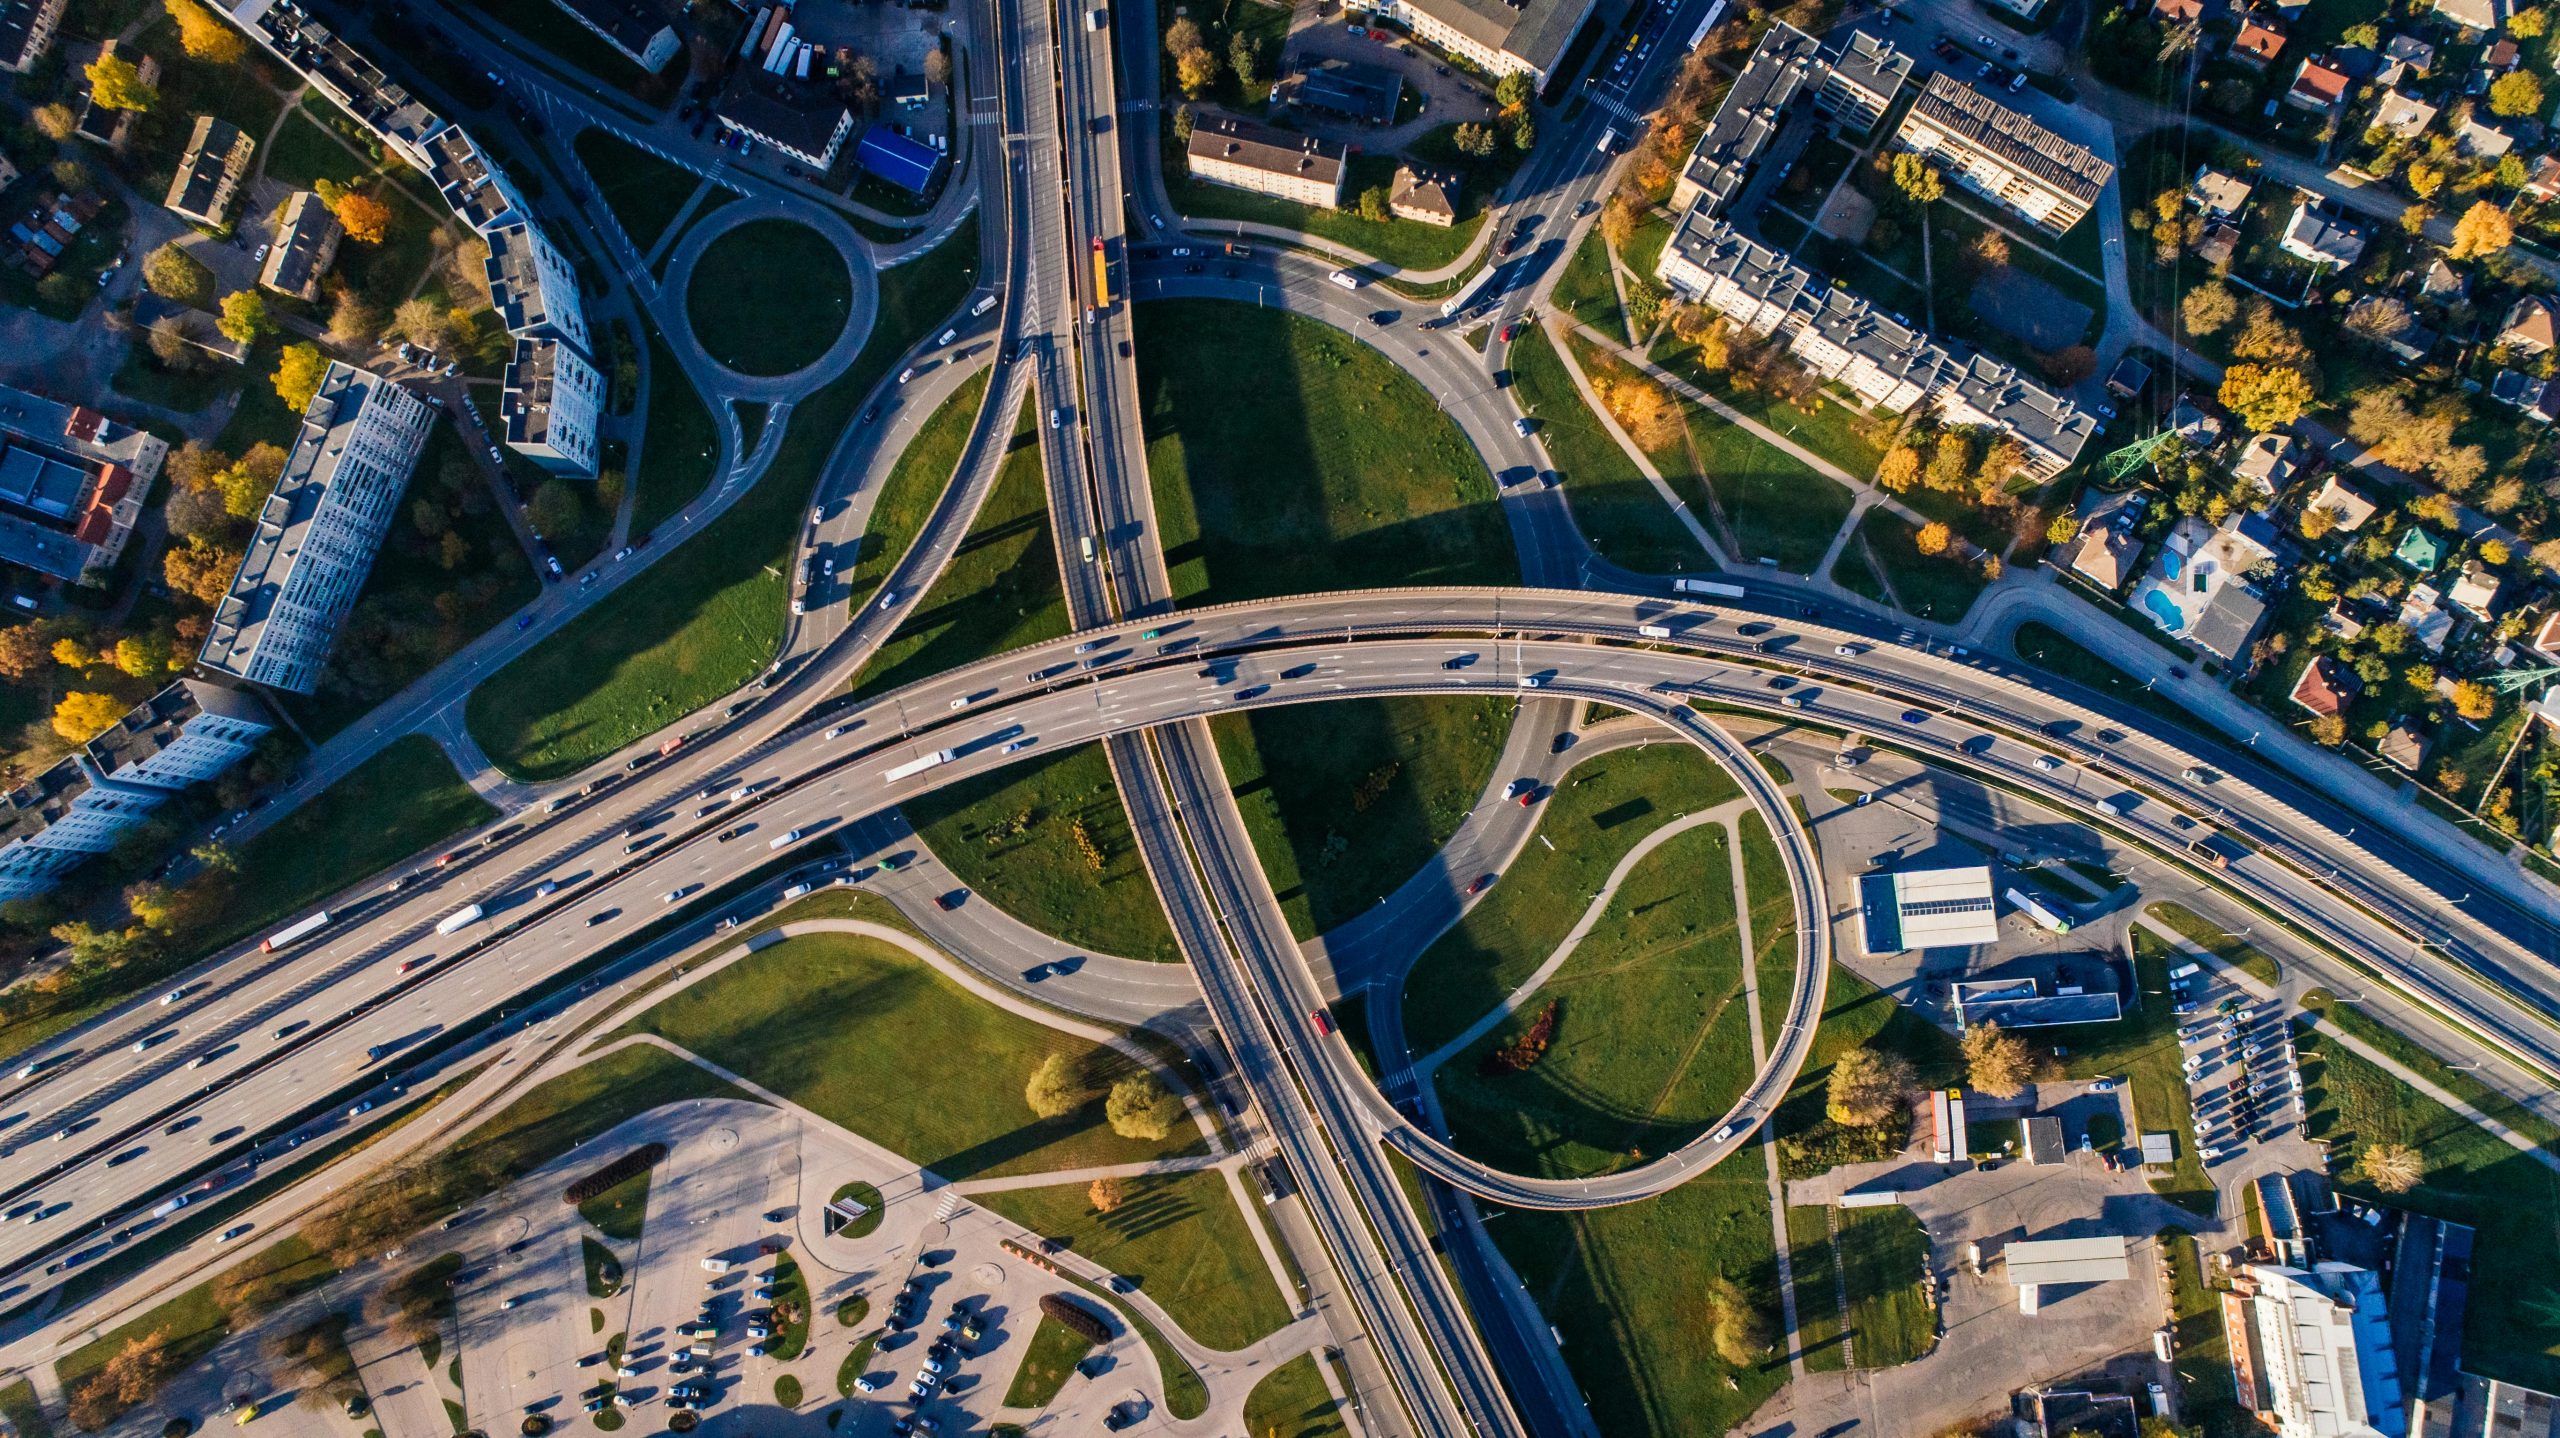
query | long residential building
[530, 282]
[552, 401]
[1226, 150]
[1505, 37]
[2000, 154]
[72, 483]
[319, 531]
[637, 30]
[26, 31]
[1881, 358]
[186, 734]
[1854, 82]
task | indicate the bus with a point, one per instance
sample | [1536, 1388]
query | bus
[1102, 296]
[1709, 586]
[1715, 12]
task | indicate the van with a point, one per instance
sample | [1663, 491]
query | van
[1096, 18]
[715, 1265]
[1345, 278]
[795, 891]
[1085, 543]
[1609, 141]
[1654, 631]
[982, 306]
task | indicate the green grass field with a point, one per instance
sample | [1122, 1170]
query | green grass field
[2142, 1049]
[914, 486]
[1001, 589]
[2205, 934]
[1614, 505]
[1010, 835]
[708, 617]
[1652, 1040]
[1183, 1240]
[1773, 923]
[1779, 507]
[1601, 810]
[1048, 1361]
[18, 1404]
[1345, 800]
[619, 1211]
[679, 442]
[868, 1036]
[1932, 586]
[644, 192]
[1814, 1265]
[1332, 470]
[769, 297]
[1586, 290]
[1291, 1401]
[1622, 1285]
[2200, 1350]
[1884, 1256]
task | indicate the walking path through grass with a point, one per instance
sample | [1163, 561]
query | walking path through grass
[1180, 1237]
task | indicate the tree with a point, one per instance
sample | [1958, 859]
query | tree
[365, 219]
[1054, 1091]
[1900, 467]
[2265, 396]
[177, 276]
[1918, 179]
[424, 323]
[71, 175]
[25, 650]
[1373, 204]
[169, 343]
[82, 716]
[1474, 139]
[2317, 521]
[2484, 229]
[1524, 134]
[1512, 91]
[1181, 36]
[1989, 250]
[70, 653]
[299, 371]
[2516, 92]
[115, 84]
[145, 656]
[2474, 700]
[2391, 1167]
[1933, 538]
[2365, 36]
[247, 481]
[2528, 24]
[56, 122]
[2329, 730]
[354, 320]
[244, 317]
[2379, 318]
[2424, 179]
[2208, 308]
[2460, 467]
[1197, 70]
[1618, 220]
[1866, 1087]
[1139, 1107]
[2064, 529]
[1996, 1062]
[2495, 553]
[1739, 1332]
[204, 36]
[1106, 1194]
[1648, 413]
[937, 66]
[555, 509]
[1244, 57]
[127, 1381]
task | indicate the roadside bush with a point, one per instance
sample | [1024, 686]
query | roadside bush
[1072, 1314]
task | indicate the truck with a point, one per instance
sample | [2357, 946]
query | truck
[1466, 298]
[2036, 909]
[459, 919]
[2120, 804]
[292, 932]
[2203, 847]
[1717, 588]
[1102, 295]
[913, 767]
[672, 744]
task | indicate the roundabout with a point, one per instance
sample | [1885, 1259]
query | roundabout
[781, 303]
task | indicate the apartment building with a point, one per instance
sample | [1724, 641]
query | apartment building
[306, 241]
[1854, 82]
[1429, 196]
[2002, 155]
[26, 31]
[1506, 37]
[340, 72]
[72, 483]
[475, 189]
[533, 288]
[318, 532]
[1862, 77]
[1238, 153]
[188, 733]
[551, 405]
[209, 174]
[637, 31]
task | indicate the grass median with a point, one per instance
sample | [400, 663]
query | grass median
[1291, 1401]
[705, 619]
[1773, 924]
[864, 1034]
[644, 192]
[914, 486]
[1614, 505]
[1179, 1237]
[1048, 1361]
[679, 446]
[2205, 934]
[769, 297]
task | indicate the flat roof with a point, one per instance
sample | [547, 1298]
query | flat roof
[895, 158]
[1928, 909]
[2067, 1260]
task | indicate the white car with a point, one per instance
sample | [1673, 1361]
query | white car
[2209, 1153]
[791, 836]
[1845, 651]
[866, 1384]
[888, 599]
[906, 374]
[962, 702]
[237, 1230]
[2047, 763]
[949, 335]
[838, 731]
[1016, 747]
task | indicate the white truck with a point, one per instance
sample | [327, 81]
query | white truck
[292, 932]
[1710, 586]
[913, 767]
[459, 919]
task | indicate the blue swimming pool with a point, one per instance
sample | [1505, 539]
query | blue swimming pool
[2172, 563]
[2164, 609]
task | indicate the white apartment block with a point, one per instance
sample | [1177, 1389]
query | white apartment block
[318, 533]
[186, 734]
[2002, 155]
[553, 402]
[1225, 150]
[474, 188]
[532, 286]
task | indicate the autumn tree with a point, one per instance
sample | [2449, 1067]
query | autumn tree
[144, 656]
[2423, 178]
[366, 220]
[115, 84]
[83, 716]
[1739, 1332]
[1648, 413]
[1996, 1062]
[2514, 93]
[199, 569]
[2484, 229]
[246, 482]
[1917, 179]
[299, 370]
[1197, 71]
[1106, 1194]
[25, 651]
[1933, 538]
[1866, 1087]
[2391, 1167]
[2474, 700]
[244, 317]
[1054, 1090]
[1244, 56]
[424, 323]
[2265, 396]
[204, 36]
[937, 66]
[1140, 1108]
[126, 1381]
[2328, 730]
[177, 276]
[1183, 34]
[56, 122]
[2064, 529]
[1474, 139]
[1901, 466]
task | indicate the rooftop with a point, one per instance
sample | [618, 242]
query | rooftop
[1928, 909]
[2019, 143]
[1536, 31]
[1361, 92]
[302, 245]
[1237, 141]
[1781, 65]
[2067, 1260]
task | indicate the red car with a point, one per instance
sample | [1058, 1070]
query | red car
[1510, 330]
[1482, 883]
[1323, 1021]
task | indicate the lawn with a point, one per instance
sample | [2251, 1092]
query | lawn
[679, 444]
[1855, 1013]
[1180, 1237]
[18, 1404]
[604, 1271]
[404, 799]
[1594, 817]
[305, 150]
[1333, 470]
[563, 40]
[2205, 934]
[1832, 429]
[769, 297]
[1047, 1362]
[1291, 1401]
[1775, 505]
[705, 619]
[1939, 587]
[1587, 290]
[1623, 1286]
[645, 192]
[914, 486]
[619, 1211]
[1000, 590]
[790, 1292]
[1614, 505]
[1884, 1259]
[1345, 800]
[1815, 1267]
[1047, 841]
[2463, 1084]
[864, 1034]
[2142, 1050]
[2051, 650]
[1651, 1040]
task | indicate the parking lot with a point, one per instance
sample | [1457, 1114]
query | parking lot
[2242, 1074]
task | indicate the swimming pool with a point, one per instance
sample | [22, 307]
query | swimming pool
[2164, 609]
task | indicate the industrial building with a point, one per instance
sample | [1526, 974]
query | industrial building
[2316, 1346]
[810, 131]
[887, 155]
[2039, 1264]
[2020, 1004]
[551, 405]
[318, 533]
[1926, 909]
[72, 483]
[1243, 155]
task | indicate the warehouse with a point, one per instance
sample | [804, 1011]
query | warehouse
[1927, 909]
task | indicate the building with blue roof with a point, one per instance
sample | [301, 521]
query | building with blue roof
[893, 157]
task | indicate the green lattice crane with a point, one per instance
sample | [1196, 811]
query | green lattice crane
[2134, 456]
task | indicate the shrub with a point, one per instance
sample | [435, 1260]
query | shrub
[1072, 1314]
